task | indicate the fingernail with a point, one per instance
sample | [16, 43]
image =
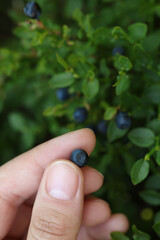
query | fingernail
[62, 181]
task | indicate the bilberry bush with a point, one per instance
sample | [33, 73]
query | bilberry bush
[71, 46]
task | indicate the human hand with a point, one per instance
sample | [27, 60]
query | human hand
[44, 196]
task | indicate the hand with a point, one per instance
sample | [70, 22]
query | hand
[43, 196]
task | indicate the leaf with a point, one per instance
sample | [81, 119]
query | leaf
[151, 197]
[78, 16]
[157, 217]
[139, 235]
[153, 94]
[90, 88]
[140, 55]
[139, 171]
[87, 26]
[114, 133]
[122, 63]
[83, 21]
[137, 31]
[118, 33]
[123, 84]
[58, 111]
[156, 228]
[66, 32]
[62, 80]
[62, 62]
[154, 125]
[110, 113]
[142, 137]
[118, 236]
[148, 41]
[28, 139]
[17, 121]
[153, 182]
[101, 35]
[104, 69]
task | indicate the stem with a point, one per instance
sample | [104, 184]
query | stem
[148, 155]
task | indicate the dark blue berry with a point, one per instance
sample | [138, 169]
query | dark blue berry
[32, 10]
[118, 50]
[102, 127]
[80, 114]
[92, 127]
[123, 121]
[79, 157]
[62, 94]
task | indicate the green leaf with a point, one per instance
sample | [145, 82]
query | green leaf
[154, 125]
[87, 26]
[140, 55]
[90, 88]
[58, 111]
[153, 182]
[110, 113]
[139, 171]
[142, 137]
[28, 139]
[157, 217]
[78, 16]
[148, 41]
[153, 94]
[137, 31]
[156, 228]
[118, 33]
[83, 21]
[101, 35]
[123, 84]
[114, 133]
[39, 38]
[158, 157]
[139, 235]
[62, 80]
[66, 32]
[17, 121]
[151, 197]
[62, 62]
[104, 69]
[118, 236]
[122, 63]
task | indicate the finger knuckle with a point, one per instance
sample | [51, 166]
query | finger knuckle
[50, 226]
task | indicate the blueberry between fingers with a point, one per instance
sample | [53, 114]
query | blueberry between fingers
[79, 157]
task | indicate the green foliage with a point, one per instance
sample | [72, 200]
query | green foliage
[139, 171]
[72, 46]
[139, 235]
[137, 31]
[142, 137]
[118, 236]
[61, 80]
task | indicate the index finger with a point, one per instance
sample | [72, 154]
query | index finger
[21, 176]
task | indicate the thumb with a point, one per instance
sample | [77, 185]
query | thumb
[58, 207]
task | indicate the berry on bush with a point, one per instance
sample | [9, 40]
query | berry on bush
[118, 50]
[102, 127]
[92, 127]
[62, 94]
[32, 10]
[79, 157]
[123, 121]
[80, 114]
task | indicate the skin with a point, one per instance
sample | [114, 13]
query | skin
[28, 211]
